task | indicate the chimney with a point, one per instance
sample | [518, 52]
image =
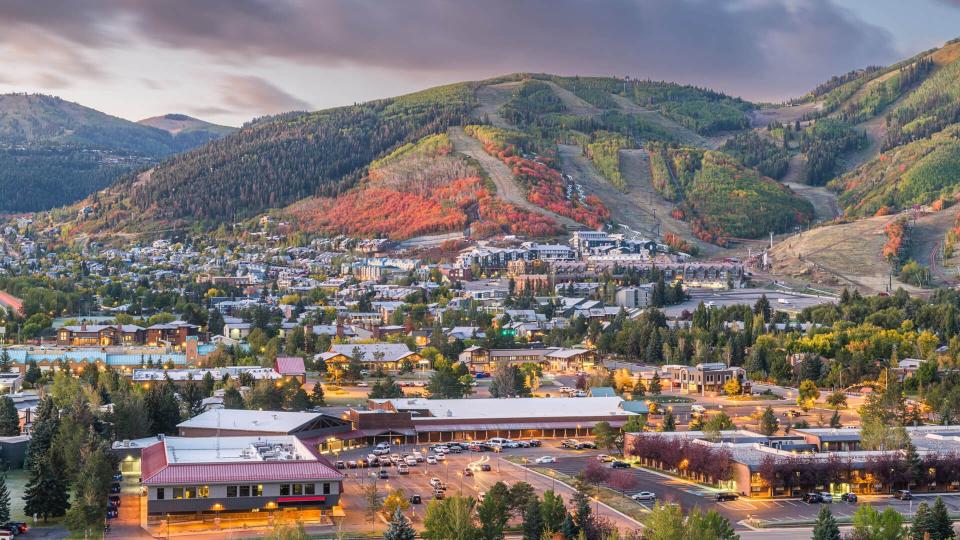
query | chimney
[340, 328]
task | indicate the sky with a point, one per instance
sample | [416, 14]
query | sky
[229, 61]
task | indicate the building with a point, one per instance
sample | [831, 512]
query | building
[174, 334]
[807, 460]
[96, 335]
[388, 356]
[483, 360]
[634, 297]
[309, 426]
[222, 475]
[291, 366]
[702, 378]
[418, 420]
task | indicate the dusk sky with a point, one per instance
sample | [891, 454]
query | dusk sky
[231, 60]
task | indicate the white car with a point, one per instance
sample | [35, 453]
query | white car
[441, 457]
[545, 459]
[565, 389]
[431, 460]
[604, 458]
[644, 496]
[435, 482]
[410, 460]
[362, 385]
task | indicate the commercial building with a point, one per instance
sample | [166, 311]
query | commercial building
[483, 360]
[418, 420]
[819, 459]
[702, 378]
[218, 475]
[388, 356]
[309, 426]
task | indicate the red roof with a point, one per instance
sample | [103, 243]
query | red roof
[260, 471]
[290, 365]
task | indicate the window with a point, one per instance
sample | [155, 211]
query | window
[203, 492]
[257, 490]
[190, 492]
[298, 489]
[178, 493]
[160, 494]
[326, 488]
[244, 491]
[284, 489]
[309, 489]
[231, 491]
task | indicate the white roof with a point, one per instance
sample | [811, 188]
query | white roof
[235, 449]
[511, 407]
[240, 419]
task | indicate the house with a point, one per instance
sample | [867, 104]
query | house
[221, 475]
[174, 333]
[291, 366]
[480, 359]
[702, 378]
[97, 335]
[388, 356]
[487, 289]
[236, 329]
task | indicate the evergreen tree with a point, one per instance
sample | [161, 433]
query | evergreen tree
[316, 396]
[208, 384]
[400, 528]
[669, 422]
[569, 528]
[768, 422]
[552, 511]
[9, 418]
[941, 526]
[46, 493]
[655, 387]
[583, 517]
[232, 399]
[533, 525]
[300, 401]
[4, 500]
[921, 522]
[85, 515]
[826, 526]
[493, 513]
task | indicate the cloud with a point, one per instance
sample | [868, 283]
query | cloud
[210, 111]
[51, 80]
[256, 95]
[750, 47]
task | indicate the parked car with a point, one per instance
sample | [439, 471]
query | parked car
[21, 526]
[351, 464]
[620, 465]
[849, 497]
[604, 458]
[383, 474]
[4, 534]
[411, 461]
[114, 488]
[699, 409]
[811, 498]
[545, 459]
[535, 443]
[826, 497]
[435, 482]
[431, 460]
[644, 496]
[441, 457]
[402, 469]
[118, 477]
[114, 500]
[904, 495]
[456, 449]
[485, 467]
[415, 499]
[588, 444]
[468, 471]
[727, 496]
[418, 456]
[571, 443]
[438, 494]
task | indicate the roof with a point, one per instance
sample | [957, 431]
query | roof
[509, 408]
[182, 460]
[290, 365]
[241, 419]
[603, 391]
[392, 352]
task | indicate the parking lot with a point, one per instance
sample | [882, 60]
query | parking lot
[781, 511]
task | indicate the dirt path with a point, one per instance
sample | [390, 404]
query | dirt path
[824, 201]
[682, 134]
[507, 188]
[926, 241]
[491, 97]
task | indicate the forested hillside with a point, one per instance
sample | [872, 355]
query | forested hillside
[275, 161]
[54, 152]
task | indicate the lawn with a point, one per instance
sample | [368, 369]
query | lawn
[755, 397]
[667, 399]
[612, 498]
[16, 483]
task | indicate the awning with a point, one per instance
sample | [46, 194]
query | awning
[428, 428]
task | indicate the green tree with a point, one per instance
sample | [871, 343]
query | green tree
[521, 493]
[316, 396]
[533, 525]
[400, 528]
[826, 527]
[655, 384]
[941, 526]
[709, 525]
[47, 493]
[232, 398]
[635, 424]
[553, 511]
[4, 500]
[300, 401]
[664, 522]
[768, 422]
[869, 524]
[835, 422]
[451, 518]
[669, 422]
[733, 387]
[85, 515]
[604, 435]
[922, 523]
[9, 418]
[493, 512]
[837, 400]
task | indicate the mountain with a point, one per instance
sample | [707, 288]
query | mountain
[54, 152]
[186, 128]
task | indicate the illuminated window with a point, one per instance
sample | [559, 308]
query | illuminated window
[177, 493]
[203, 492]
[298, 489]
[257, 490]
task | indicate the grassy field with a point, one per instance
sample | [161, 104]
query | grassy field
[16, 483]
